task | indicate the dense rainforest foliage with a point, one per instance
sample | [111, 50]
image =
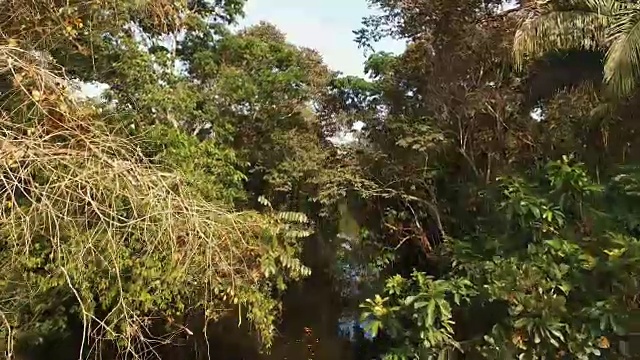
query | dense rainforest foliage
[488, 209]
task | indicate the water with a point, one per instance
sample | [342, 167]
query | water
[320, 317]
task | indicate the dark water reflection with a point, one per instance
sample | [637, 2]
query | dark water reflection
[319, 323]
[314, 326]
[319, 317]
[311, 325]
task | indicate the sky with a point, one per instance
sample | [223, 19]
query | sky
[324, 25]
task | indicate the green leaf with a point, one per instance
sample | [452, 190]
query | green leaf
[535, 211]
[443, 355]
[420, 304]
[409, 300]
[263, 201]
[431, 312]
[372, 327]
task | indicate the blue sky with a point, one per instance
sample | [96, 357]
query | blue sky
[324, 25]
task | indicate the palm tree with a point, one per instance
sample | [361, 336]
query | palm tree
[610, 26]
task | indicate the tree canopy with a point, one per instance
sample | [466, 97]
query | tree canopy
[488, 205]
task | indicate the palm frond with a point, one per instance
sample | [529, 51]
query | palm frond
[582, 26]
[622, 65]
